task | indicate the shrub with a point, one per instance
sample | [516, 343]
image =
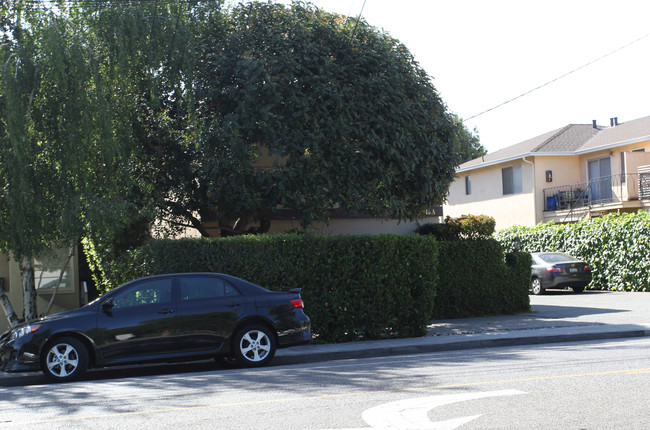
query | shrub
[442, 232]
[473, 226]
[616, 246]
[466, 227]
[476, 280]
[355, 287]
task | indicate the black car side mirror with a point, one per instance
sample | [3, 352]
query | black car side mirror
[108, 305]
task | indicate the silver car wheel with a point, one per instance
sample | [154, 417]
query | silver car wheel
[65, 360]
[536, 287]
[255, 345]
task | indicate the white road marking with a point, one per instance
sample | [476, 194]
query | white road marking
[412, 414]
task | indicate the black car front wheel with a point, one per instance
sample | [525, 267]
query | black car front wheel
[254, 346]
[65, 359]
[536, 287]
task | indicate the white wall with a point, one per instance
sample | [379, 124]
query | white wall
[487, 197]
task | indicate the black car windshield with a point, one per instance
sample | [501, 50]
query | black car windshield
[555, 257]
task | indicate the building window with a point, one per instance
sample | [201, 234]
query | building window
[47, 270]
[599, 173]
[468, 185]
[511, 178]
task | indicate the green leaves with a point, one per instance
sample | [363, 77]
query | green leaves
[616, 246]
[192, 113]
[293, 80]
[355, 287]
[467, 143]
[476, 279]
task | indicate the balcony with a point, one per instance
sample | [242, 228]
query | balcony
[570, 203]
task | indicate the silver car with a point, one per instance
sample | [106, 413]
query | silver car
[558, 270]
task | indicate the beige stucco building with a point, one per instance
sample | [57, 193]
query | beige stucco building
[575, 172]
[71, 293]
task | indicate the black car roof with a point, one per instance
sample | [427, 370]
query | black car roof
[241, 283]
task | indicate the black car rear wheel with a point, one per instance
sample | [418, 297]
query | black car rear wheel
[65, 359]
[254, 346]
[536, 287]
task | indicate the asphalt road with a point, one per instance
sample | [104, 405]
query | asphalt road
[585, 385]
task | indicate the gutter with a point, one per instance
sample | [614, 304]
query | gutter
[516, 157]
[613, 145]
[535, 202]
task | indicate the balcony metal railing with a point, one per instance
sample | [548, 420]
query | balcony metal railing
[644, 182]
[608, 189]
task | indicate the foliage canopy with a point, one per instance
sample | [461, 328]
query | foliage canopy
[219, 114]
[467, 143]
[303, 109]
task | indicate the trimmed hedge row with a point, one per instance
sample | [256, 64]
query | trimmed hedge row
[476, 280]
[355, 287]
[616, 246]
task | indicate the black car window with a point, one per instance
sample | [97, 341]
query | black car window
[203, 287]
[145, 293]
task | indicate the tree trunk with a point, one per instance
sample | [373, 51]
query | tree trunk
[9, 310]
[29, 288]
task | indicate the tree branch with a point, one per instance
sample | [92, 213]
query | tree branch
[8, 309]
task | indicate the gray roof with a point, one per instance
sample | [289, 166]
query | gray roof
[572, 139]
[636, 130]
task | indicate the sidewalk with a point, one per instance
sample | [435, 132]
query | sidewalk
[556, 317]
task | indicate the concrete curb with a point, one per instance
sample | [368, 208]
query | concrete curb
[384, 348]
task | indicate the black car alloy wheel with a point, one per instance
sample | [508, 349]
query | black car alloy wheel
[254, 346]
[65, 359]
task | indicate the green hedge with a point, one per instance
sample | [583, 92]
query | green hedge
[616, 246]
[355, 287]
[476, 280]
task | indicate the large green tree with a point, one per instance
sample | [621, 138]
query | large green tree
[303, 109]
[65, 162]
[27, 222]
[467, 143]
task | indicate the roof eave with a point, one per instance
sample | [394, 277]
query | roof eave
[514, 158]
[613, 145]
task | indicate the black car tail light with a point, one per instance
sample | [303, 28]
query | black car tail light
[298, 303]
[554, 269]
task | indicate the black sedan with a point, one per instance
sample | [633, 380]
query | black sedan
[558, 270]
[176, 317]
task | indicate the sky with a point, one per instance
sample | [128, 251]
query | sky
[481, 53]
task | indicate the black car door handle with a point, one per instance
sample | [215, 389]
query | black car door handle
[234, 305]
[166, 311]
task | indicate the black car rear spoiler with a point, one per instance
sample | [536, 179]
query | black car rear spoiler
[296, 290]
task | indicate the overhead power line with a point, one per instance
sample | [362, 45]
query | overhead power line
[559, 77]
[354, 31]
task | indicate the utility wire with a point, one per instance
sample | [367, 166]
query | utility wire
[358, 19]
[559, 77]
